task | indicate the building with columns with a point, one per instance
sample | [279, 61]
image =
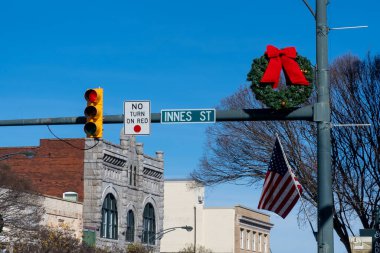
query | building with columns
[120, 188]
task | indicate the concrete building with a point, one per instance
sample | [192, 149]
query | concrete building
[121, 188]
[63, 213]
[235, 229]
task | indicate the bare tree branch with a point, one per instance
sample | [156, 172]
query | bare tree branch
[240, 151]
[20, 206]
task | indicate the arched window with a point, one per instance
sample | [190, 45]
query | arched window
[149, 225]
[109, 218]
[130, 235]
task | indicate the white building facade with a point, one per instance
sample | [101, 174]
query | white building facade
[223, 230]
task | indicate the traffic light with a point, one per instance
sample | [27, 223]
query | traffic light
[94, 113]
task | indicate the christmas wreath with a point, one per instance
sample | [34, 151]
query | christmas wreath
[265, 77]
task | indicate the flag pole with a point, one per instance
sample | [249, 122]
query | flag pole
[302, 200]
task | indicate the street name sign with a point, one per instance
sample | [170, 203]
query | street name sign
[173, 116]
[137, 117]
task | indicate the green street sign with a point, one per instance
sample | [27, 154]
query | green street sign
[173, 116]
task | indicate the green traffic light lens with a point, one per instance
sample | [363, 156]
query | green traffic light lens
[90, 128]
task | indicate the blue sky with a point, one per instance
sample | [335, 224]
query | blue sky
[178, 54]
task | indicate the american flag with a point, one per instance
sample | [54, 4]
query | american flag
[281, 189]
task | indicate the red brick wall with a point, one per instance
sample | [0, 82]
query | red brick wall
[56, 168]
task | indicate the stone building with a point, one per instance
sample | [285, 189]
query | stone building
[236, 229]
[120, 187]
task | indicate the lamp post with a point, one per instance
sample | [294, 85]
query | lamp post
[27, 153]
[160, 234]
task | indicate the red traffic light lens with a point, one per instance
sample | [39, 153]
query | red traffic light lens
[90, 128]
[91, 96]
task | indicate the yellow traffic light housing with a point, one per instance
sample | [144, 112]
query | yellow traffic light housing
[94, 113]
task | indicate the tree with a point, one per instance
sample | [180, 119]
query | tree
[138, 248]
[199, 249]
[20, 206]
[240, 151]
[59, 240]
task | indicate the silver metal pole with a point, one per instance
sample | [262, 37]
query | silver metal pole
[322, 114]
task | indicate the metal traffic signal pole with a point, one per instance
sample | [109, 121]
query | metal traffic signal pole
[303, 113]
[322, 115]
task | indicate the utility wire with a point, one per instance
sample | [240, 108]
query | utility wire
[68, 143]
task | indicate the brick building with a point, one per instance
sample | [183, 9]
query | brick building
[121, 188]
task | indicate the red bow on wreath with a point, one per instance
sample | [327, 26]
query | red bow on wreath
[283, 59]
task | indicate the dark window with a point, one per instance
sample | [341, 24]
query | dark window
[130, 175]
[134, 176]
[149, 225]
[109, 218]
[130, 236]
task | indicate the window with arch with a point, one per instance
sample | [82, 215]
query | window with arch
[149, 225]
[130, 235]
[109, 218]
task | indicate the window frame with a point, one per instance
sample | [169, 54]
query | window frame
[149, 225]
[130, 175]
[130, 233]
[134, 176]
[109, 226]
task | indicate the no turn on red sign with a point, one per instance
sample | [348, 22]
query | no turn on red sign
[137, 117]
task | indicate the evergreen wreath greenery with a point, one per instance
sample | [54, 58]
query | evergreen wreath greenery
[291, 96]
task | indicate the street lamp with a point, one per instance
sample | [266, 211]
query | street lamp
[27, 153]
[159, 235]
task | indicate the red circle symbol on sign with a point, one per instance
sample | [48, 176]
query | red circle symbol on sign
[137, 128]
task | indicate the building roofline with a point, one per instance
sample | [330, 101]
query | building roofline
[62, 199]
[234, 207]
[39, 144]
[251, 209]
